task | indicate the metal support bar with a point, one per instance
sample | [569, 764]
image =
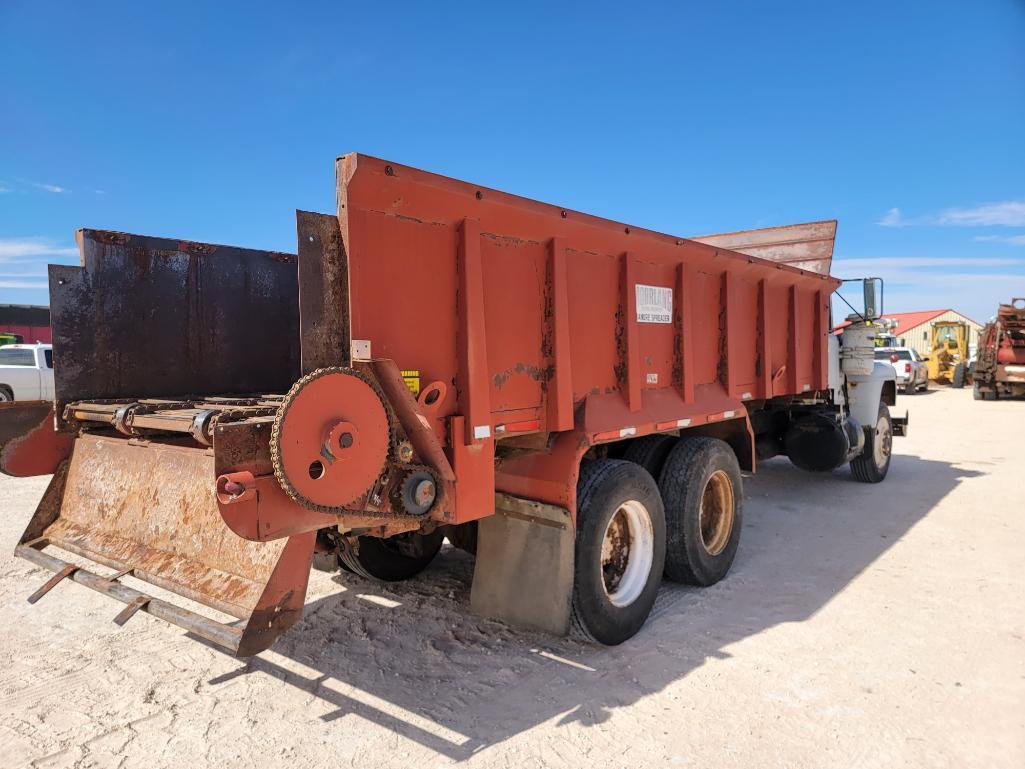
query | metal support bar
[227, 636]
[129, 611]
[51, 583]
[120, 574]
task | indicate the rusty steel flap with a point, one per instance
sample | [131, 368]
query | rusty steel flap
[323, 291]
[806, 246]
[149, 316]
[149, 510]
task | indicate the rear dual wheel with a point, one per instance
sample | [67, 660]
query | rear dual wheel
[632, 530]
[703, 495]
[620, 550]
[700, 485]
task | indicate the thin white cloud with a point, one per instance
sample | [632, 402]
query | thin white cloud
[893, 218]
[973, 286]
[28, 248]
[1016, 240]
[4, 189]
[1007, 213]
[1010, 213]
[51, 187]
[22, 284]
[855, 265]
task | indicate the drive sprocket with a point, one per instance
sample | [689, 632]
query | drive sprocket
[330, 438]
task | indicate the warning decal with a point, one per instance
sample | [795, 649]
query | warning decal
[654, 304]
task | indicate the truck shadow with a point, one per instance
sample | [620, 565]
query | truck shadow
[411, 657]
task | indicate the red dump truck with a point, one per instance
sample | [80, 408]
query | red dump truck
[570, 398]
[999, 371]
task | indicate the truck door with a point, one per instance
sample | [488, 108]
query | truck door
[19, 372]
[45, 361]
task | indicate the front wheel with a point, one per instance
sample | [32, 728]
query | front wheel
[873, 463]
[957, 379]
[620, 550]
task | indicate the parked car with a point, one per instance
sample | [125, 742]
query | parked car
[912, 371]
[26, 372]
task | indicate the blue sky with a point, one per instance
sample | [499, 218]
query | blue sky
[904, 120]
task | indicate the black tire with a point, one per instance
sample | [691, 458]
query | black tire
[957, 379]
[650, 452]
[463, 537]
[925, 384]
[392, 559]
[700, 552]
[867, 467]
[604, 492]
[910, 388]
[6, 394]
[983, 394]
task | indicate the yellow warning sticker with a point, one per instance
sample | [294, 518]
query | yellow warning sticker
[411, 376]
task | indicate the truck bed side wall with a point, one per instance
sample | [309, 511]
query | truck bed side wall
[531, 310]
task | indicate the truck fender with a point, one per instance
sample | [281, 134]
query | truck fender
[864, 392]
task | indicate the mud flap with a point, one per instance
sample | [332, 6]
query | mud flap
[900, 424]
[149, 510]
[524, 570]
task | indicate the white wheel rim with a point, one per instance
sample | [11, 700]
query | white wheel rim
[627, 553]
[883, 442]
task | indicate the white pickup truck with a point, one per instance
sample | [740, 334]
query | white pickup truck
[26, 372]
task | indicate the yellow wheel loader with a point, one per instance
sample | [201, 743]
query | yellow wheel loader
[948, 359]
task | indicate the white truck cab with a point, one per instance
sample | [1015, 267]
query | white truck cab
[26, 372]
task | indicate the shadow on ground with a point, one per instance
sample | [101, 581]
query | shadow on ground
[413, 659]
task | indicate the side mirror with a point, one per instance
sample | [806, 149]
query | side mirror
[873, 290]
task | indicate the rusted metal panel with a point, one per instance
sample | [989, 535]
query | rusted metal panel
[151, 508]
[323, 292]
[29, 443]
[806, 246]
[149, 316]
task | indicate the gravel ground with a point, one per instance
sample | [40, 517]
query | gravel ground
[861, 626]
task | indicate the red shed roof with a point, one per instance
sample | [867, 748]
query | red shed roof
[908, 320]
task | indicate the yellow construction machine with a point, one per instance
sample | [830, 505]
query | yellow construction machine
[948, 359]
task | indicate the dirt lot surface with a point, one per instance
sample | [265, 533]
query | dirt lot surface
[861, 626]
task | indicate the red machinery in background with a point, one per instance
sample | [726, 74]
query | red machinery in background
[999, 371]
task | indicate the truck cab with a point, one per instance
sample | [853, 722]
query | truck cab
[26, 372]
